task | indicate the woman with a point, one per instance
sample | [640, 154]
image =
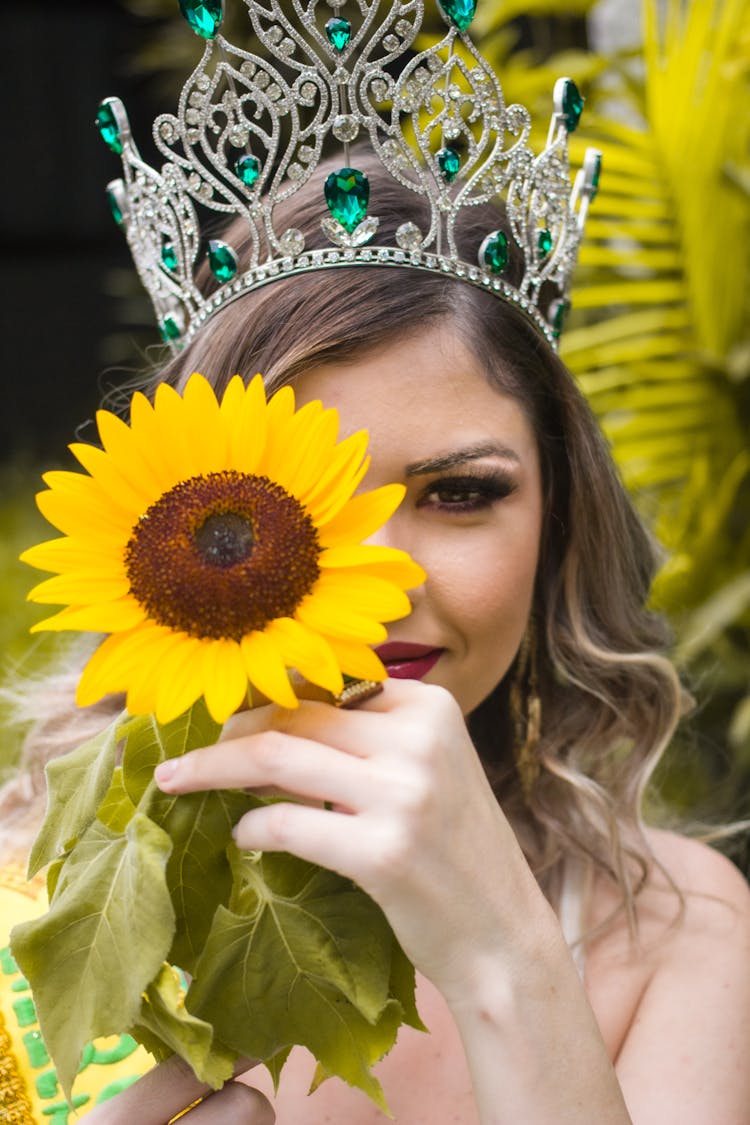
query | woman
[573, 965]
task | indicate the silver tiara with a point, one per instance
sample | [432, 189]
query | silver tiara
[250, 131]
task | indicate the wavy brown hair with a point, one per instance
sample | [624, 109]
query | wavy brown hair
[610, 699]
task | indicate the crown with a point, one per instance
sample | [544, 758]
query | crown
[250, 131]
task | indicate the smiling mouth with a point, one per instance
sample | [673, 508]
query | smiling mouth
[405, 661]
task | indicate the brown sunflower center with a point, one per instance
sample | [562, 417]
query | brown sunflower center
[221, 555]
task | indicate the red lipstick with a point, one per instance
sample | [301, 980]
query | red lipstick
[405, 661]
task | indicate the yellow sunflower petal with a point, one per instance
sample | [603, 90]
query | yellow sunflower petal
[324, 613]
[145, 677]
[382, 562]
[265, 669]
[361, 516]
[315, 453]
[306, 651]
[364, 594]
[74, 502]
[109, 617]
[358, 660]
[62, 555]
[160, 439]
[205, 430]
[180, 680]
[289, 443]
[247, 438]
[225, 680]
[128, 482]
[115, 662]
[133, 452]
[80, 589]
[278, 413]
[168, 428]
[340, 480]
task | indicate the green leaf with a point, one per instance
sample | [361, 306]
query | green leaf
[198, 874]
[116, 810]
[104, 939]
[165, 1027]
[303, 957]
[76, 785]
[148, 744]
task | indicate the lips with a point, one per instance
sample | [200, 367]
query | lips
[404, 661]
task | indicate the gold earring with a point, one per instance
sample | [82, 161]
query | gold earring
[527, 712]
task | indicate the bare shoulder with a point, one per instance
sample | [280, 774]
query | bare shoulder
[716, 896]
[682, 1057]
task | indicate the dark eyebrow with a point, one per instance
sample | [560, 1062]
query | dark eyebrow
[460, 456]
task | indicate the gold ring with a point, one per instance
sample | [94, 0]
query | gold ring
[357, 691]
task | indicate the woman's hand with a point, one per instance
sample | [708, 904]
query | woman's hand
[411, 817]
[169, 1088]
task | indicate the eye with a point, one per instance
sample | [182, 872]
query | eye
[467, 493]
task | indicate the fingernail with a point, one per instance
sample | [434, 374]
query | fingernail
[165, 772]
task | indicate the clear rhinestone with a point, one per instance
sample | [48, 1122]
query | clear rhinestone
[286, 47]
[273, 92]
[379, 89]
[366, 255]
[391, 149]
[366, 229]
[383, 254]
[292, 242]
[409, 236]
[403, 27]
[391, 42]
[434, 63]
[341, 75]
[194, 181]
[193, 136]
[216, 129]
[205, 191]
[274, 34]
[345, 127]
[167, 131]
[196, 99]
[308, 90]
[203, 82]
[450, 132]
[317, 257]
[332, 256]
[295, 171]
[239, 136]
[248, 68]
[262, 79]
[306, 153]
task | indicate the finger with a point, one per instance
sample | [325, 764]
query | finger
[235, 1104]
[272, 761]
[157, 1097]
[319, 836]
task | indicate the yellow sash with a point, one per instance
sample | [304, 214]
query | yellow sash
[29, 1090]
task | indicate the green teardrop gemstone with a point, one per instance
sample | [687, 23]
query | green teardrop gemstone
[571, 104]
[449, 163]
[458, 12]
[116, 200]
[338, 33]
[109, 130]
[544, 242]
[169, 257]
[222, 260]
[559, 310]
[247, 168]
[347, 195]
[169, 329]
[495, 252]
[204, 16]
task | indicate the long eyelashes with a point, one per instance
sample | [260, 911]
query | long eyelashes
[469, 492]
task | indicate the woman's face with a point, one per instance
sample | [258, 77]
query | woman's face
[473, 507]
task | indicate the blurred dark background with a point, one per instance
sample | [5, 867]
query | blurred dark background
[60, 252]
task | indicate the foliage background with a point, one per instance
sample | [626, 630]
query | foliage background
[659, 338]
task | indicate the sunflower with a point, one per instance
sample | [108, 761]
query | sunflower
[219, 544]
